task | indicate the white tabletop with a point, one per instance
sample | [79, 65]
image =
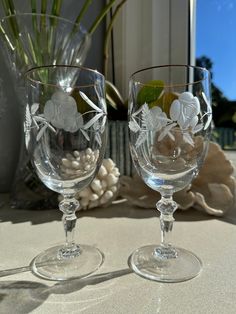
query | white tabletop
[117, 231]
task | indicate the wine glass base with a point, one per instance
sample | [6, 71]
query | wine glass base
[49, 265]
[147, 264]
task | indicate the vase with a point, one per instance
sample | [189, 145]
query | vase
[29, 40]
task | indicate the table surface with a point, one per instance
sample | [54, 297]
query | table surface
[117, 230]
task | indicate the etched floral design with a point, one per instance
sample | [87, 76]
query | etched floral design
[184, 113]
[60, 112]
[38, 120]
[153, 119]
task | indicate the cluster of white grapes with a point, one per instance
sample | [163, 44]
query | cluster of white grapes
[103, 189]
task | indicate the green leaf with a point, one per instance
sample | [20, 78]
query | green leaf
[101, 15]
[150, 92]
[33, 6]
[85, 7]
[56, 7]
[8, 6]
[82, 105]
[113, 96]
[164, 101]
[43, 6]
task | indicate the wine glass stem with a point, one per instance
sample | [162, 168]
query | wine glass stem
[167, 207]
[69, 222]
[68, 206]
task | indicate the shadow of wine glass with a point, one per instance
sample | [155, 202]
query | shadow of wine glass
[23, 297]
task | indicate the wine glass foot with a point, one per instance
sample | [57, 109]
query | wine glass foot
[52, 266]
[145, 262]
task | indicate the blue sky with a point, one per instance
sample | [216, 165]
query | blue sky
[216, 38]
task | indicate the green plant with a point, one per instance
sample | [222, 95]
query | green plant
[114, 99]
[55, 10]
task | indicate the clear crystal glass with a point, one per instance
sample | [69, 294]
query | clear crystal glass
[169, 123]
[65, 134]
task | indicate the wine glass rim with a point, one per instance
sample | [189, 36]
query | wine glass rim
[204, 70]
[86, 69]
[7, 17]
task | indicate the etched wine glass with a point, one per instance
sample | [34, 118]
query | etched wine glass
[65, 132]
[169, 123]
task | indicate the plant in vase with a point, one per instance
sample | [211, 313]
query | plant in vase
[34, 39]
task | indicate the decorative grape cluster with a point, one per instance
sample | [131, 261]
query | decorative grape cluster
[103, 189]
[79, 164]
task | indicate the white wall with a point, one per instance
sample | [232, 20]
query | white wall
[152, 32]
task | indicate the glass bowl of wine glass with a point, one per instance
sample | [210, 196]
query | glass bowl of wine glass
[169, 123]
[65, 134]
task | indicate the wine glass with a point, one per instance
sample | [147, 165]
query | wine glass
[65, 133]
[169, 123]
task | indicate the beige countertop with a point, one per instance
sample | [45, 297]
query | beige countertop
[117, 231]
